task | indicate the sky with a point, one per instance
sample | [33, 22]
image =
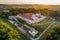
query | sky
[56, 2]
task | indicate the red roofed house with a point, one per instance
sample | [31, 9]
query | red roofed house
[31, 18]
[26, 15]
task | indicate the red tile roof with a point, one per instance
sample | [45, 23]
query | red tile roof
[27, 15]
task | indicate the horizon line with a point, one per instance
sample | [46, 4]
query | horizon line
[30, 4]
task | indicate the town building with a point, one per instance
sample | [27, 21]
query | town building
[31, 31]
[31, 17]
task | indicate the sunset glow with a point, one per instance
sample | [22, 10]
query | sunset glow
[29, 1]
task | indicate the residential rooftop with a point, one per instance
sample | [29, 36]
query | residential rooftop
[31, 17]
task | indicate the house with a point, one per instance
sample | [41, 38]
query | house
[26, 15]
[33, 32]
[31, 18]
[12, 20]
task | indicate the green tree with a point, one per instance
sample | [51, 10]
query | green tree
[9, 32]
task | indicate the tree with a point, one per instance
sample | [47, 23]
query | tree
[54, 33]
[7, 32]
[31, 10]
